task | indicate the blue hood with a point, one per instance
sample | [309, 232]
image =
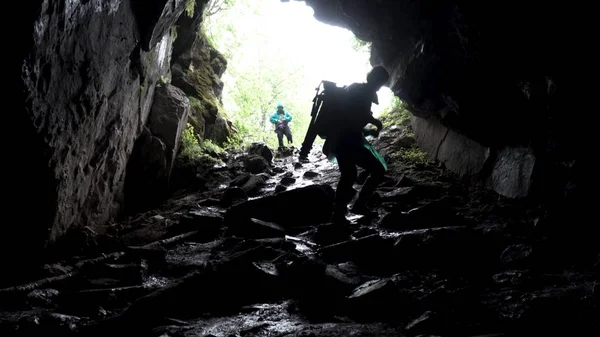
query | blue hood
[280, 105]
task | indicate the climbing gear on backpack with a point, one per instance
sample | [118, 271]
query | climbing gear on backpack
[326, 109]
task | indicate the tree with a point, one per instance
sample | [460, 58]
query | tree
[216, 6]
[259, 73]
[271, 60]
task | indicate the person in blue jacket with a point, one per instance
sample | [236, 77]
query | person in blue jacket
[281, 119]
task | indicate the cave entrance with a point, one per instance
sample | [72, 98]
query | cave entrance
[277, 52]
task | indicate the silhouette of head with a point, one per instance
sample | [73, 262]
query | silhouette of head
[280, 108]
[377, 77]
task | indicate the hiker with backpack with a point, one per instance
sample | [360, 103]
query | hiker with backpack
[281, 119]
[346, 143]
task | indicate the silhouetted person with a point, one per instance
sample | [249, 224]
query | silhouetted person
[350, 148]
[281, 119]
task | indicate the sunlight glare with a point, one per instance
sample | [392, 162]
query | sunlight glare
[279, 53]
[326, 50]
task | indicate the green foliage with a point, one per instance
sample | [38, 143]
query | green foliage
[195, 103]
[190, 146]
[210, 39]
[415, 155]
[395, 114]
[194, 161]
[360, 45]
[398, 114]
[208, 146]
[260, 73]
[255, 97]
[234, 142]
[270, 62]
[190, 5]
[412, 155]
[222, 34]
[194, 152]
[215, 6]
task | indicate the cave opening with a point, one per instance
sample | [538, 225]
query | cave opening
[459, 245]
[277, 52]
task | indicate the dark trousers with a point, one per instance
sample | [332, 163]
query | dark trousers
[284, 130]
[348, 159]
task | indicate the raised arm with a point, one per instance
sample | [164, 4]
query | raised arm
[376, 122]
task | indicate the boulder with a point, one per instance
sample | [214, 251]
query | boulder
[168, 118]
[262, 150]
[304, 206]
[457, 152]
[255, 164]
[513, 172]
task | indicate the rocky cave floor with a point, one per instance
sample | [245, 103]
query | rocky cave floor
[439, 259]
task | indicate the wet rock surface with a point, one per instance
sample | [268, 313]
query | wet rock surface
[84, 87]
[436, 259]
[98, 119]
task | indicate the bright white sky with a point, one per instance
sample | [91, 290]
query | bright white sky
[325, 52]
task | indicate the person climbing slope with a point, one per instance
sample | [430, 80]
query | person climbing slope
[281, 119]
[348, 145]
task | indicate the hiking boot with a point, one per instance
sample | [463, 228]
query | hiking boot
[339, 219]
[339, 215]
[361, 208]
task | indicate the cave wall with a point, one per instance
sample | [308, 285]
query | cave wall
[90, 85]
[197, 68]
[190, 92]
[98, 121]
[83, 89]
[488, 84]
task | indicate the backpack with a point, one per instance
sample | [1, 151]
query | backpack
[328, 107]
[326, 114]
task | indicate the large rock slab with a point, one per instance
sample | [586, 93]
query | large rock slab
[509, 170]
[304, 206]
[82, 93]
[513, 172]
[457, 152]
[168, 118]
[220, 130]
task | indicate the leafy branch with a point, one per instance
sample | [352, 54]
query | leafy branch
[215, 6]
